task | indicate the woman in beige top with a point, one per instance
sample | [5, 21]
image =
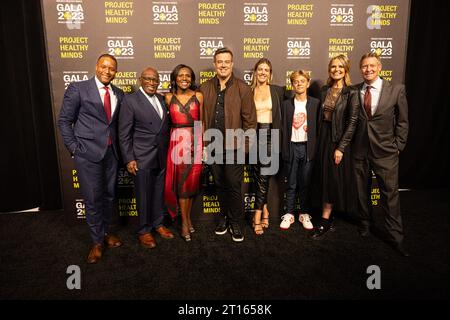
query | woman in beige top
[268, 99]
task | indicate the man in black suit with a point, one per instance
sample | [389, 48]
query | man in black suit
[381, 135]
[144, 139]
[88, 123]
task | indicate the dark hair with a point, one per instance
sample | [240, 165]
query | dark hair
[174, 74]
[223, 50]
[107, 55]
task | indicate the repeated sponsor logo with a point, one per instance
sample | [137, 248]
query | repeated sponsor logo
[341, 15]
[165, 13]
[255, 48]
[298, 48]
[209, 45]
[211, 13]
[73, 47]
[387, 74]
[70, 13]
[338, 46]
[164, 81]
[211, 204]
[248, 76]
[299, 14]
[256, 14]
[80, 208]
[382, 47]
[121, 47]
[249, 201]
[118, 12]
[74, 76]
[166, 47]
[381, 15]
[127, 81]
[206, 75]
[127, 207]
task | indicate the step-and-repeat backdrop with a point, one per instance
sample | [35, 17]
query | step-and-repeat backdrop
[292, 34]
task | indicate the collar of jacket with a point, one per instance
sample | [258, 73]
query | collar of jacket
[227, 84]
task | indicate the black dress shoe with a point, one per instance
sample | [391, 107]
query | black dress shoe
[400, 249]
[319, 232]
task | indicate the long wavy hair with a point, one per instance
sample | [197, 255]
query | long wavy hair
[346, 63]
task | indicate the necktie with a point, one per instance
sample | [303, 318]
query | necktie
[155, 104]
[107, 106]
[368, 102]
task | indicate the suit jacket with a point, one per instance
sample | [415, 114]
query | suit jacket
[83, 123]
[345, 116]
[386, 133]
[143, 135]
[277, 95]
[312, 114]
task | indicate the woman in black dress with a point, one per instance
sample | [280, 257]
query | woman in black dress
[337, 123]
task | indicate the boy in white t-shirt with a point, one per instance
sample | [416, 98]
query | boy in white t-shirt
[299, 132]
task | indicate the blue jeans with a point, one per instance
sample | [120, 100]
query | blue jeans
[298, 178]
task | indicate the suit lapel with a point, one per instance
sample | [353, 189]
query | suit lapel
[118, 101]
[94, 95]
[361, 101]
[149, 105]
[384, 96]
[163, 106]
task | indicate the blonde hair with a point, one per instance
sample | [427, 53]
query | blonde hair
[369, 55]
[299, 73]
[346, 63]
[255, 68]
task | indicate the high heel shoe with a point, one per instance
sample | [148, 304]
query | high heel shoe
[265, 217]
[186, 237]
[191, 229]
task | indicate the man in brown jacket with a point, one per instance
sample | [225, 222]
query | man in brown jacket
[228, 108]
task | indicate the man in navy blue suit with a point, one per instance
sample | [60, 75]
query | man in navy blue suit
[88, 125]
[144, 141]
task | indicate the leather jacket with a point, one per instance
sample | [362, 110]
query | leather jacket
[345, 116]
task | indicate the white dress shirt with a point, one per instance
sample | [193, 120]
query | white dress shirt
[102, 91]
[375, 92]
[154, 101]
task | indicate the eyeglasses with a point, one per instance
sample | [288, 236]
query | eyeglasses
[149, 79]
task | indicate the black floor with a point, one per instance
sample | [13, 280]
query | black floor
[37, 248]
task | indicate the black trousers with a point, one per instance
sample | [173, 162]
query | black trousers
[262, 180]
[386, 171]
[228, 182]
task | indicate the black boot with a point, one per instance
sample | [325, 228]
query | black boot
[323, 227]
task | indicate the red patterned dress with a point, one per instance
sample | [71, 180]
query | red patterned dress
[184, 158]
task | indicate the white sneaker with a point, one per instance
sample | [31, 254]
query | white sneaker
[305, 219]
[288, 219]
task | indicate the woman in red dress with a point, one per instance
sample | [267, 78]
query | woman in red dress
[184, 158]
